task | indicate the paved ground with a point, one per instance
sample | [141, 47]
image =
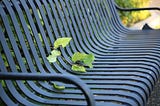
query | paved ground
[154, 99]
[153, 20]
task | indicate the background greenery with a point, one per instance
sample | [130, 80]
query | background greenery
[129, 18]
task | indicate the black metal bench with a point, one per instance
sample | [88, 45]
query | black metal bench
[126, 65]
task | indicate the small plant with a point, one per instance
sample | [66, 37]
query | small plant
[80, 60]
[58, 87]
[55, 53]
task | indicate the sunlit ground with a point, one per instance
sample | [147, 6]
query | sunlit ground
[154, 20]
[156, 23]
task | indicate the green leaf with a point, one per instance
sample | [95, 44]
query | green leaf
[53, 57]
[2, 83]
[88, 60]
[58, 87]
[78, 56]
[62, 42]
[78, 68]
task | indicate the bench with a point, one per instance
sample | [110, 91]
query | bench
[126, 66]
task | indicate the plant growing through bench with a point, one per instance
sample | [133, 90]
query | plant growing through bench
[55, 53]
[80, 60]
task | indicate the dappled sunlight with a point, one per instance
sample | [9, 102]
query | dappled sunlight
[154, 20]
[155, 23]
[130, 18]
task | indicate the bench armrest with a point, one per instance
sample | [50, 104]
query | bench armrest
[47, 77]
[136, 9]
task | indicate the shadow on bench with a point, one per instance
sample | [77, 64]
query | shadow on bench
[124, 72]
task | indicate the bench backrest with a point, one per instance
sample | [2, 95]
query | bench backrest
[29, 29]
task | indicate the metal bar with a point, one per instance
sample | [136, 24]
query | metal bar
[41, 77]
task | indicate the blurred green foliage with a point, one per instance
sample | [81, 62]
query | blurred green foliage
[129, 18]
